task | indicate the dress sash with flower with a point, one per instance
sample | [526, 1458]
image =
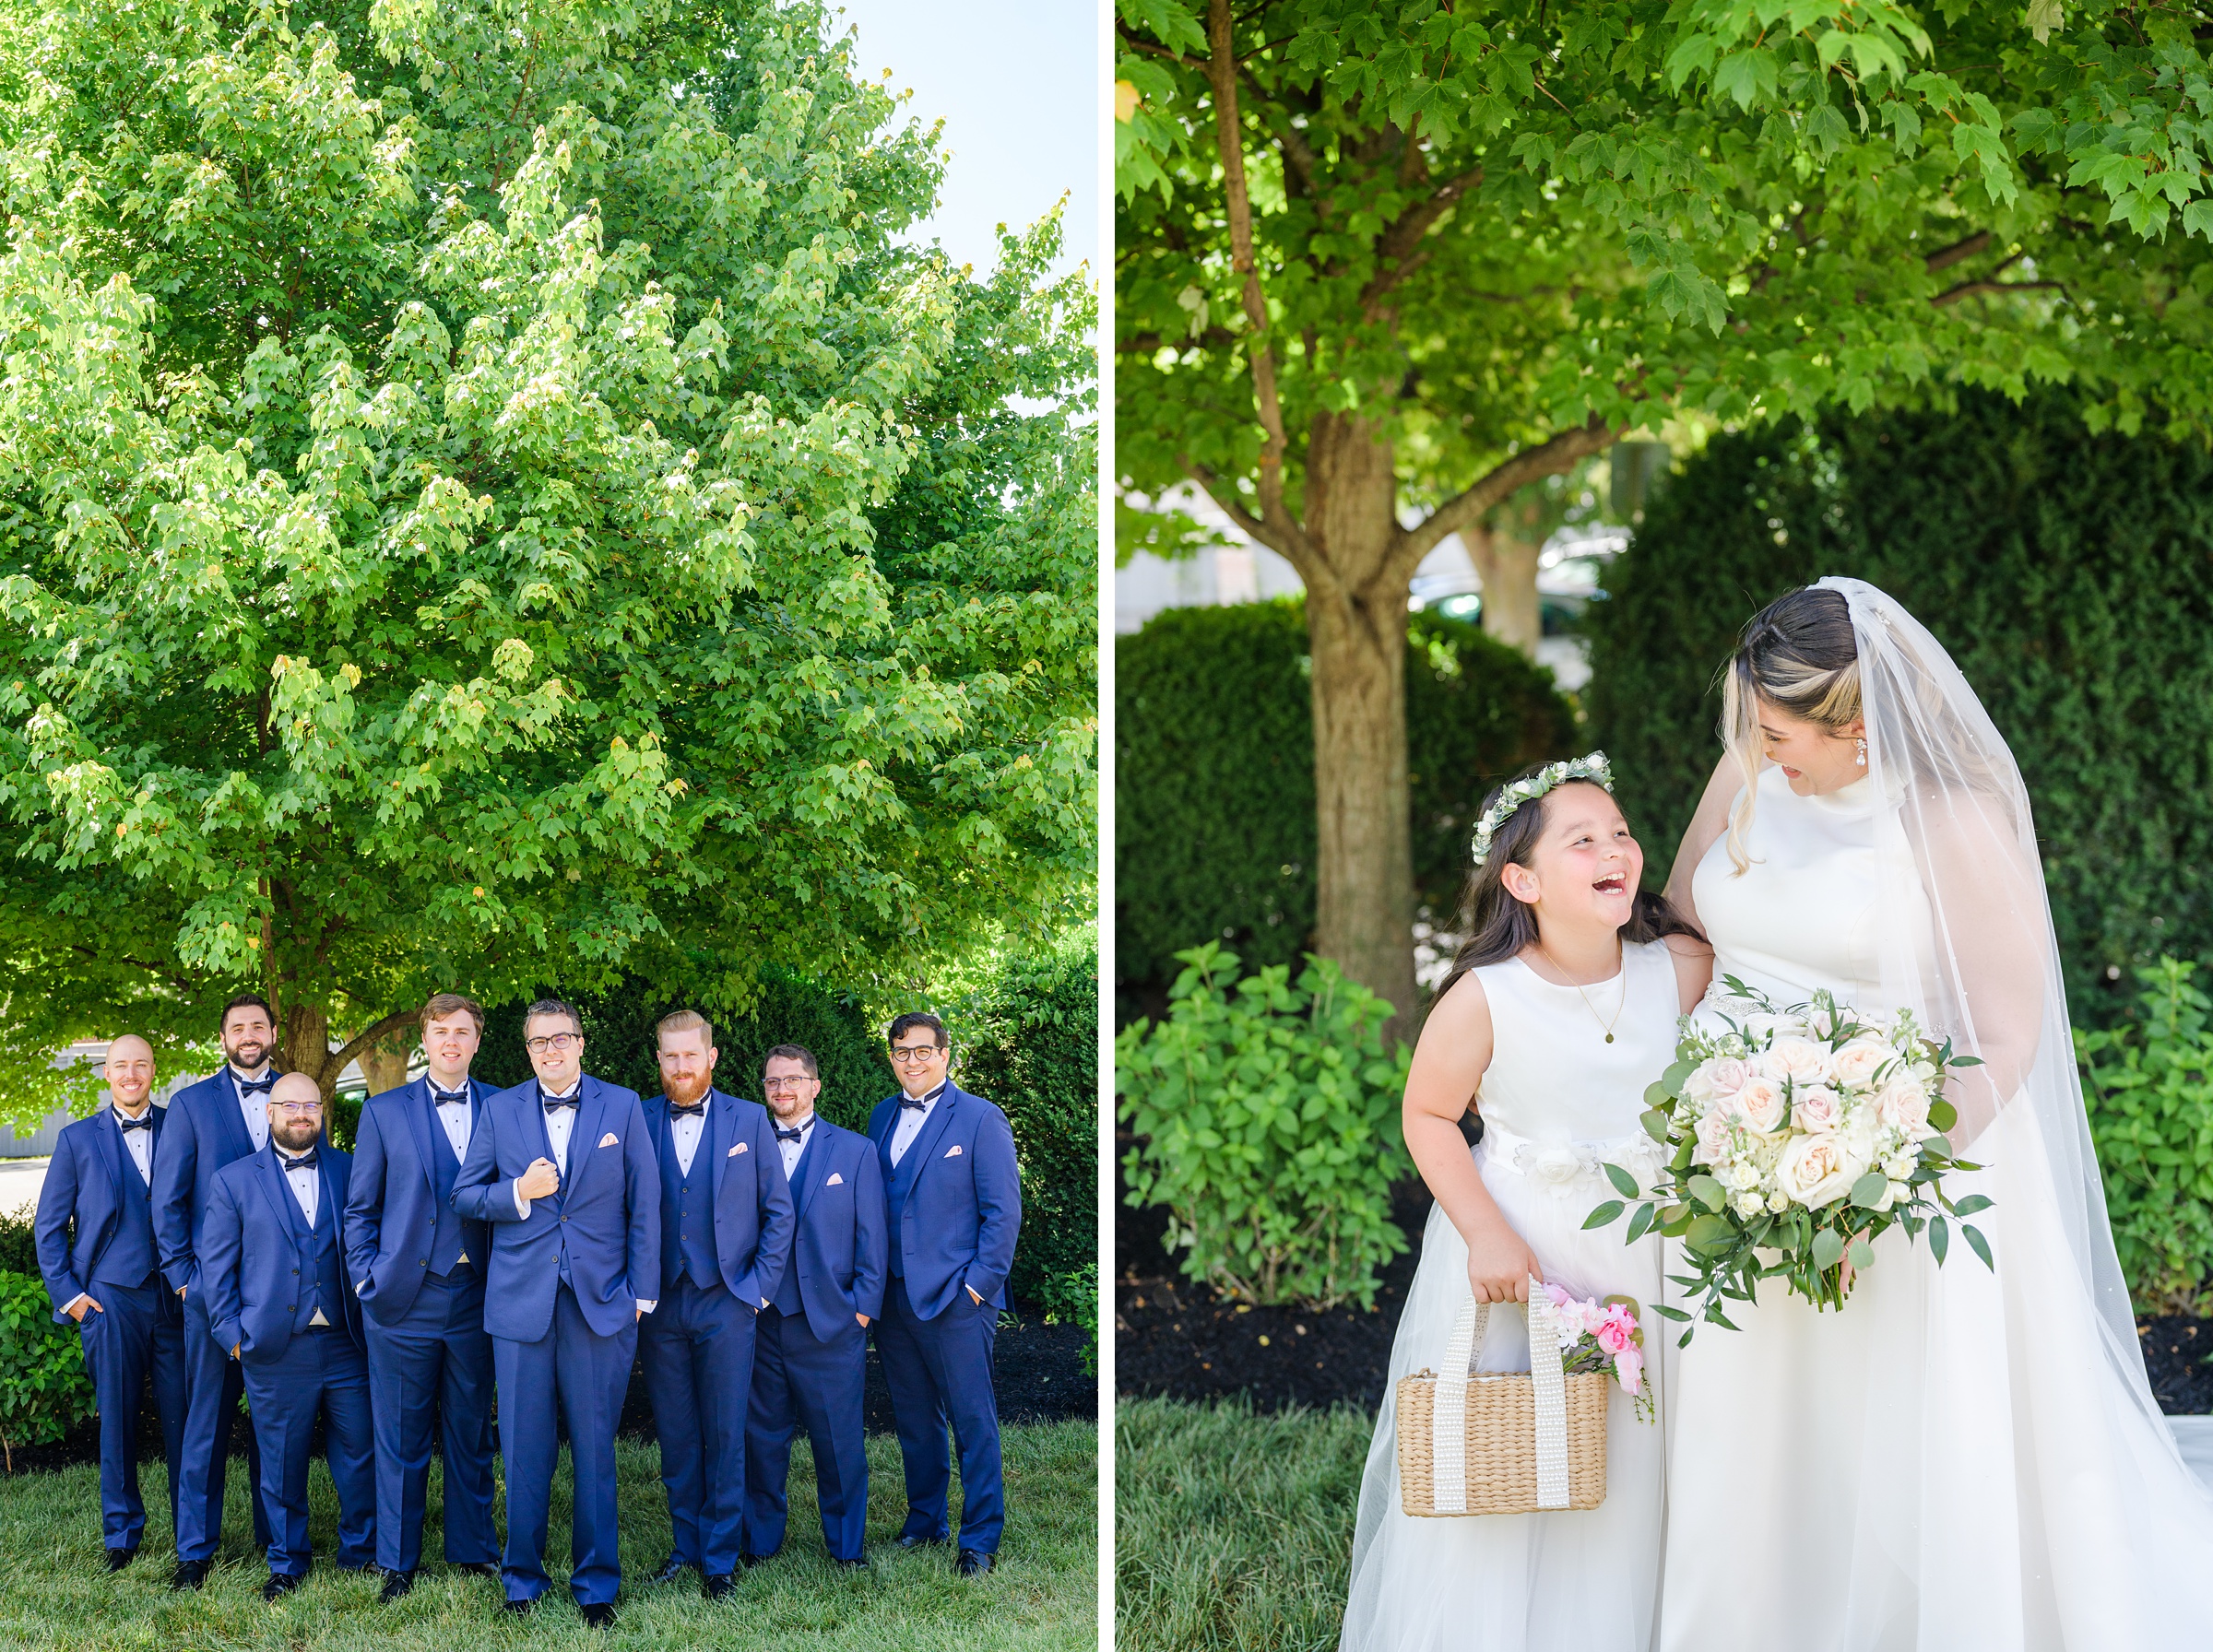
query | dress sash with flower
[1557, 1099]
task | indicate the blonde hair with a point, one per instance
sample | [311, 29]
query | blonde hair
[1797, 655]
[684, 1020]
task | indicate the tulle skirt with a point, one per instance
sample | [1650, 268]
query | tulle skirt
[1574, 1581]
[1958, 1461]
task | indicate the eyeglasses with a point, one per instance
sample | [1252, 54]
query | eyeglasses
[298, 1109]
[776, 1086]
[913, 1052]
[557, 1041]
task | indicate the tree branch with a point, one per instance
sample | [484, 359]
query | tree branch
[1291, 545]
[1554, 456]
[360, 1041]
[1958, 251]
[1222, 71]
[1394, 250]
[1968, 290]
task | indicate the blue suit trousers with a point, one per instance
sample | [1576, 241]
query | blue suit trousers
[318, 1371]
[800, 1380]
[585, 1375]
[212, 1384]
[137, 1333]
[698, 1350]
[434, 1366]
[941, 1369]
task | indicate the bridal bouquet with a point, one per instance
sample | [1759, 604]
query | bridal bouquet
[1807, 1131]
[1599, 1335]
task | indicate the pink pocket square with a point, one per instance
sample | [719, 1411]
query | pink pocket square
[953, 1151]
[835, 1180]
[609, 1140]
[736, 1150]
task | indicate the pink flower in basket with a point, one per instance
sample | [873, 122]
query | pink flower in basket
[1629, 1366]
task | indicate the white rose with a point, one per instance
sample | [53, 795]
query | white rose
[1779, 1201]
[1904, 1106]
[1856, 1064]
[1749, 1204]
[1816, 1109]
[1801, 1060]
[1815, 1171]
[1724, 1073]
[1556, 1168]
[1899, 1167]
[1713, 1139]
[1698, 1087]
[1759, 1102]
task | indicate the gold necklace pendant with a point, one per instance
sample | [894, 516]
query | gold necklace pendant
[1621, 974]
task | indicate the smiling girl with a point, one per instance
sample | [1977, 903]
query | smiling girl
[1559, 1011]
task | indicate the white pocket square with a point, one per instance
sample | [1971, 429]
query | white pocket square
[953, 1151]
[835, 1180]
[609, 1140]
[736, 1150]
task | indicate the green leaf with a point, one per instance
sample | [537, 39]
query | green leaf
[1707, 1192]
[1604, 1213]
[1655, 1121]
[1971, 1203]
[1746, 76]
[1638, 1221]
[1867, 1192]
[1862, 1254]
[1827, 1248]
[1666, 1312]
[1943, 1115]
[1979, 1245]
[1940, 1238]
[1710, 1236]
[1624, 1183]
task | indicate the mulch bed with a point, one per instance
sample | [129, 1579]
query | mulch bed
[1176, 1339]
[1037, 1369]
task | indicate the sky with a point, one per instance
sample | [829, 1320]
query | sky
[1017, 83]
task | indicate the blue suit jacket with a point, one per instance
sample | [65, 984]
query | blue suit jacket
[753, 1203]
[204, 1132]
[608, 1204]
[837, 1191]
[393, 1210]
[84, 1180]
[957, 1224]
[251, 1263]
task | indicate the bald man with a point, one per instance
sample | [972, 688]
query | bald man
[95, 1228]
[278, 1303]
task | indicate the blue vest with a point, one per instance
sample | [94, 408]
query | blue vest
[448, 1243]
[787, 1288]
[688, 1214]
[898, 1180]
[321, 1281]
[129, 1257]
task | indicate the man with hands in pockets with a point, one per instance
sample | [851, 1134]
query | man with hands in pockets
[562, 1171]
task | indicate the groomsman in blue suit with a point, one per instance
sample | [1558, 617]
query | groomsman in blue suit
[208, 1125]
[725, 1232]
[419, 1266]
[812, 1354]
[273, 1269]
[563, 1169]
[106, 1280]
[953, 1196]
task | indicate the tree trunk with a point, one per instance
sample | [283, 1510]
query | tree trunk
[305, 1044]
[385, 1062]
[1356, 626]
[1507, 566]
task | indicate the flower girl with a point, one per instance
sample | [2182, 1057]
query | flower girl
[1560, 1009]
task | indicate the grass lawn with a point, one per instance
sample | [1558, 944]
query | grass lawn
[55, 1591]
[1233, 1530]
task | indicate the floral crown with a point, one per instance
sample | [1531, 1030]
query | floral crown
[1593, 768]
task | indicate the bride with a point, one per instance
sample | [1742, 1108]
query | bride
[1961, 1460]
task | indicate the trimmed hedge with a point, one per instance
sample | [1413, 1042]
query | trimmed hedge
[1214, 827]
[2065, 571]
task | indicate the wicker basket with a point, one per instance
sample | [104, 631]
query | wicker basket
[1502, 1444]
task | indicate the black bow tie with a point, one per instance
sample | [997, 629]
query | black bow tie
[553, 1101]
[144, 1121]
[919, 1101]
[305, 1162]
[793, 1135]
[261, 1086]
[444, 1098]
[696, 1110]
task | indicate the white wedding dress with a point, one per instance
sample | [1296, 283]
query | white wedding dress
[1555, 1101]
[1958, 1461]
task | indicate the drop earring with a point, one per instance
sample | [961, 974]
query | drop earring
[1860, 749]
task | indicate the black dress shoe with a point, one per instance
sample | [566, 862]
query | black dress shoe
[719, 1587]
[279, 1584]
[189, 1575]
[521, 1609]
[974, 1563]
[850, 1565]
[915, 1540]
[670, 1570]
[750, 1561]
[396, 1584]
[120, 1558]
[475, 1568]
[599, 1617]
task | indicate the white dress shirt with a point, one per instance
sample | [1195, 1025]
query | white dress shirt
[790, 1151]
[306, 1183]
[141, 1145]
[560, 1124]
[685, 1133]
[454, 1117]
[254, 1108]
[911, 1121]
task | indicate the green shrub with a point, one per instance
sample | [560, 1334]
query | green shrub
[1029, 1041]
[1268, 1119]
[45, 1388]
[2064, 571]
[18, 1242]
[2150, 1086]
[1214, 827]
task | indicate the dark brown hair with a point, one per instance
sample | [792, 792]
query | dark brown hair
[246, 1000]
[793, 1052]
[1498, 928]
[902, 1026]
